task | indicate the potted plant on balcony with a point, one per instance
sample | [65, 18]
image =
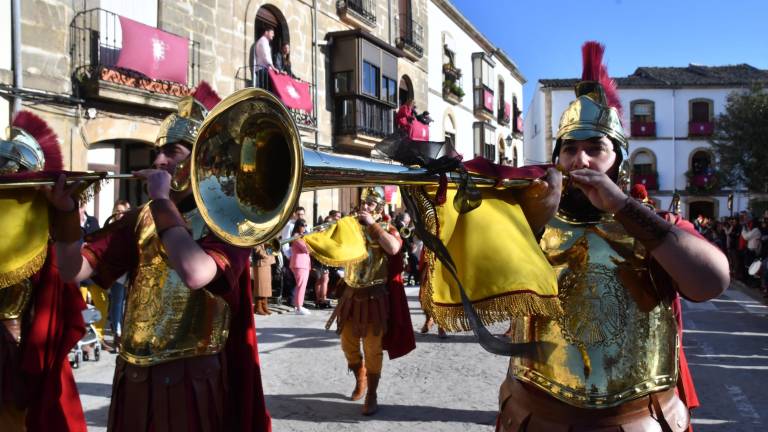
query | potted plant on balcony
[452, 91]
[703, 182]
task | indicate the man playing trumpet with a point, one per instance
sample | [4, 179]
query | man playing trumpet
[188, 356]
[373, 308]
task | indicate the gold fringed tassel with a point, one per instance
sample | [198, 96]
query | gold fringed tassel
[26, 270]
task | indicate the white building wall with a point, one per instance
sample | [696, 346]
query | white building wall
[534, 123]
[440, 25]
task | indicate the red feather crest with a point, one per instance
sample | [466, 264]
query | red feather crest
[206, 95]
[44, 135]
[594, 70]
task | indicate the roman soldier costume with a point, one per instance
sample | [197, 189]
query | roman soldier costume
[188, 358]
[372, 308]
[616, 363]
[40, 315]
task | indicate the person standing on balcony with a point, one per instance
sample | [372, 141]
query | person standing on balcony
[283, 59]
[263, 58]
[405, 116]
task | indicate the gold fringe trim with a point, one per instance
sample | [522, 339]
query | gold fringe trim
[496, 309]
[26, 270]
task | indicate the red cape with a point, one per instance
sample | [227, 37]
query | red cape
[56, 326]
[685, 388]
[246, 404]
[399, 339]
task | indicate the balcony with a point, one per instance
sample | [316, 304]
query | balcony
[650, 181]
[701, 128]
[360, 123]
[504, 114]
[95, 43]
[361, 13]
[410, 37]
[643, 129]
[484, 103]
[245, 78]
[704, 182]
[452, 91]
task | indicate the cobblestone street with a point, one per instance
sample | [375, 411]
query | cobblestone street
[451, 384]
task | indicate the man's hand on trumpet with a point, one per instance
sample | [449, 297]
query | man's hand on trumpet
[61, 196]
[158, 182]
[541, 199]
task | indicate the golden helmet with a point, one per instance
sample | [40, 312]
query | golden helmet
[31, 146]
[373, 194]
[182, 126]
[596, 112]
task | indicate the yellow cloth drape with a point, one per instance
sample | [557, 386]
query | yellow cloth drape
[499, 262]
[340, 244]
[24, 241]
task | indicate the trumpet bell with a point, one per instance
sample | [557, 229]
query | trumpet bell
[247, 167]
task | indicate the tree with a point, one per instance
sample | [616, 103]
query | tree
[740, 140]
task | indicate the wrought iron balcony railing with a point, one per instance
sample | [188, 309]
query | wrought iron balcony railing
[364, 9]
[245, 77]
[410, 35]
[95, 45]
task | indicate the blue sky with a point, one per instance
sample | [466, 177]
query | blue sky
[544, 36]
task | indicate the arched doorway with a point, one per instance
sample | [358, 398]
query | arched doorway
[502, 152]
[270, 16]
[406, 90]
[514, 156]
[449, 128]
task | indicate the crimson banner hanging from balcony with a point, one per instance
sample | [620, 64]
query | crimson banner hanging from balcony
[294, 93]
[157, 54]
[488, 100]
[419, 131]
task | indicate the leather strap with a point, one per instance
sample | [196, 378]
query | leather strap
[166, 216]
[643, 224]
[660, 414]
[66, 226]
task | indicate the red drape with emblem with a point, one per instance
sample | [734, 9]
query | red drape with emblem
[157, 54]
[292, 92]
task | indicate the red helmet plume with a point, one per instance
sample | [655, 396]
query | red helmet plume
[45, 137]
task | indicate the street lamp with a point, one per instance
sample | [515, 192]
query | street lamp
[508, 140]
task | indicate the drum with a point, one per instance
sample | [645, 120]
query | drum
[756, 268]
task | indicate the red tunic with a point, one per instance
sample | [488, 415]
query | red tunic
[36, 374]
[114, 252]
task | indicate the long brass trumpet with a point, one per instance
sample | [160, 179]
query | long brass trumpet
[249, 168]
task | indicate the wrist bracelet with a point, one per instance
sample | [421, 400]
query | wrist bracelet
[643, 224]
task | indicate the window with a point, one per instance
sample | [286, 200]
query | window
[370, 79]
[642, 111]
[700, 111]
[389, 90]
[484, 145]
[701, 163]
[342, 82]
[642, 164]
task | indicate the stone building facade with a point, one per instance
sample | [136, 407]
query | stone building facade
[107, 120]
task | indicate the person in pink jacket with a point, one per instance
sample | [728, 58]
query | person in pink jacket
[300, 266]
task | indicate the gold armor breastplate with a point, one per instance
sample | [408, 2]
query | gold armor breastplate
[164, 319]
[370, 271]
[14, 300]
[607, 350]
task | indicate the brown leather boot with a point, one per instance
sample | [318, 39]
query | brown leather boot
[265, 306]
[371, 405]
[427, 325]
[360, 381]
[258, 306]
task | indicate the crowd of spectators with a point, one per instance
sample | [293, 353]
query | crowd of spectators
[744, 240]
